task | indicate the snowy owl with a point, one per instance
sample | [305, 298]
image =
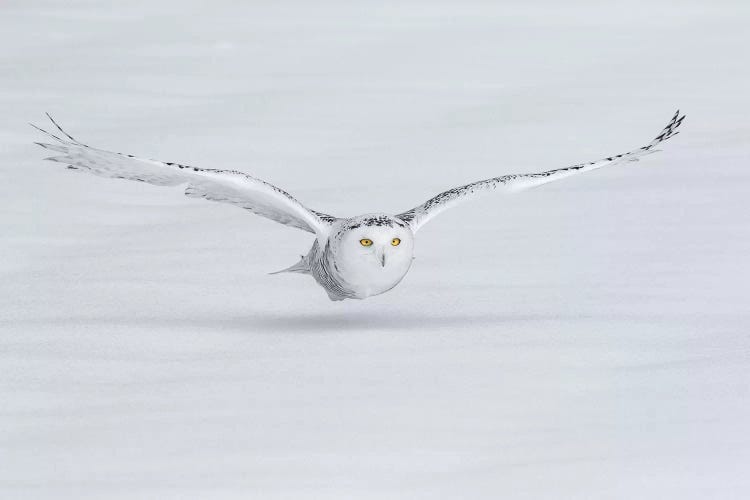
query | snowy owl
[351, 258]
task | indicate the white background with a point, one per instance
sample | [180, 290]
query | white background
[589, 339]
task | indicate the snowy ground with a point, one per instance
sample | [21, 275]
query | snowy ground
[589, 339]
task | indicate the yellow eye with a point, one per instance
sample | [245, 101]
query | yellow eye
[365, 242]
[395, 242]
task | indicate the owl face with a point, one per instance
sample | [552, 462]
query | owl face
[374, 250]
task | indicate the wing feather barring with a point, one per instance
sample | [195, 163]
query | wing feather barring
[354, 257]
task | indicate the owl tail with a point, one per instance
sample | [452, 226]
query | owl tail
[303, 267]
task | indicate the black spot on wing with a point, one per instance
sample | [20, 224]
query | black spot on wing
[328, 219]
[379, 220]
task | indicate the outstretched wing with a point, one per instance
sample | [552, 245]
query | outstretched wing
[418, 216]
[225, 186]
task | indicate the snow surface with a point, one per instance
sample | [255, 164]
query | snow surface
[588, 339]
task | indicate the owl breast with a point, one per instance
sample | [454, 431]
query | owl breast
[353, 278]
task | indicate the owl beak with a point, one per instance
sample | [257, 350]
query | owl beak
[380, 254]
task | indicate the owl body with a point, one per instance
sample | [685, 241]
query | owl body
[363, 256]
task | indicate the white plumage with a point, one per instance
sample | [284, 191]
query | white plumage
[353, 257]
